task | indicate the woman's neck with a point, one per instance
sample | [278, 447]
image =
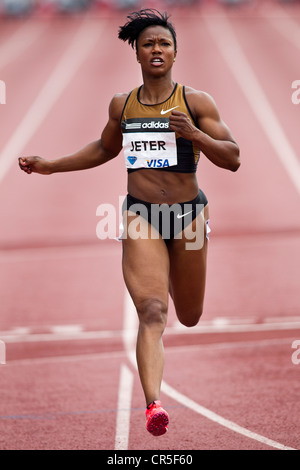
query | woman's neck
[156, 90]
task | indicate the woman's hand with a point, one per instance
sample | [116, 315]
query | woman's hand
[35, 165]
[182, 125]
[93, 154]
[211, 136]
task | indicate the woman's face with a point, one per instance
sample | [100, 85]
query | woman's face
[156, 50]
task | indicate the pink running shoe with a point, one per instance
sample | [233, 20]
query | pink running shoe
[157, 419]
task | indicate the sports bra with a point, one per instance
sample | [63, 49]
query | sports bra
[147, 140]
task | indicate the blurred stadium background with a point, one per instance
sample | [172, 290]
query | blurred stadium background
[20, 8]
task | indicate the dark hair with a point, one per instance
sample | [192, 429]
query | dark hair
[140, 20]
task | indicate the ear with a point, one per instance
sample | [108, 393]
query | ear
[137, 57]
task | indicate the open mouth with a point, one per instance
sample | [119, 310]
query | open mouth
[157, 61]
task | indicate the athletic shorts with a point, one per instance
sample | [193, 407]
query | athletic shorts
[168, 219]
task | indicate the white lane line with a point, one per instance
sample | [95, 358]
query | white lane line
[235, 328]
[212, 347]
[285, 25]
[78, 332]
[126, 380]
[85, 38]
[130, 328]
[108, 356]
[124, 408]
[225, 39]
[186, 401]
[62, 334]
[66, 329]
[226, 423]
[46, 253]
[76, 358]
[23, 38]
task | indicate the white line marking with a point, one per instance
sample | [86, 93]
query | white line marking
[33, 361]
[130, 328]
[19, 41]
[226, 423]
[46, 253]
[60, 336]
[128, 334]
[225, 39]
[285, 25]
[126, 381]
[238, 328]
[62, 75]
[124, 409]
[184, 400]
[259, 343]
[108, 356]
[66, 329]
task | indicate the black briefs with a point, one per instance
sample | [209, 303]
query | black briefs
[168, 219]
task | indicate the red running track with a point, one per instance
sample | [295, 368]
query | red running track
[69, 381]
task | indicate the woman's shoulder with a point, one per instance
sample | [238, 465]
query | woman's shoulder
[199, 100]
[117, 104]
[119, 98]
[192, 93]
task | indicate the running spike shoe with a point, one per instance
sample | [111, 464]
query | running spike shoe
[157, 419]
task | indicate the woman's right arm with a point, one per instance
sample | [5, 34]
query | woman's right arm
[94, 154]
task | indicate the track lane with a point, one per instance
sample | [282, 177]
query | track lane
[42, 403]
[204, 433]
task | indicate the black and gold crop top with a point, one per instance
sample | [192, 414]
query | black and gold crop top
[147, 140]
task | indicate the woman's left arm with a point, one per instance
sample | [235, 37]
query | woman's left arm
[212, 136]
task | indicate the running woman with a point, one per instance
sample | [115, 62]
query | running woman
[162, 127]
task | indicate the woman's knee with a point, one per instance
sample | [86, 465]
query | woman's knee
[190, 318]
[152, 312]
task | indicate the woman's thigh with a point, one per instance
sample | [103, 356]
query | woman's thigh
[145, 264]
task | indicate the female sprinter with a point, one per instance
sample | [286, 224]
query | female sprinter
[162, 127]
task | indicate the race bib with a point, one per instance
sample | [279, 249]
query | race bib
[148, 143]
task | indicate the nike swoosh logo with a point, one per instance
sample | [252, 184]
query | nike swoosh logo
[179, 216]
[168, 110]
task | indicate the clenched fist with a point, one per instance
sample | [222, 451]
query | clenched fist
[35, 165]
